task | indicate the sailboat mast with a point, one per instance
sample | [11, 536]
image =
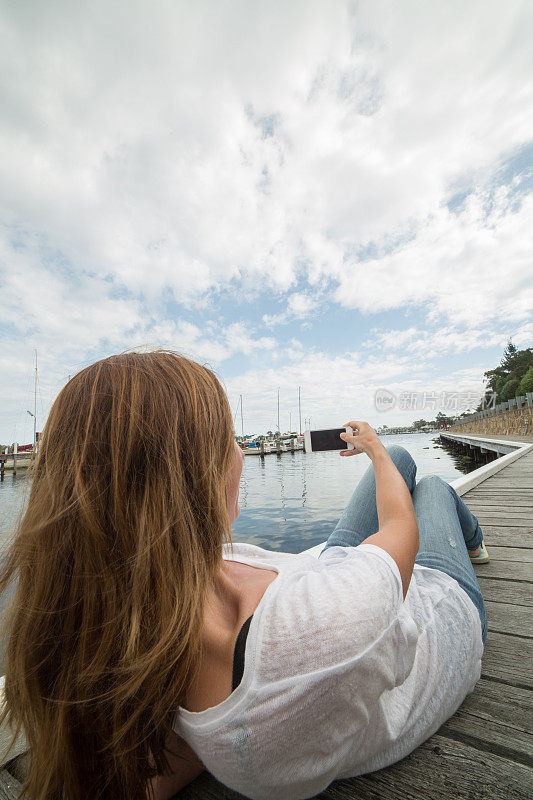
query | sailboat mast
[35, 409]
[279, 431]
[242, 423]
[299, 412]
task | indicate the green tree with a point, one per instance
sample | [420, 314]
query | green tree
[508, 390]
[513, 366]
[419, 423]
[509, 355]
[500, 383]
[526, 384]
[441, 420]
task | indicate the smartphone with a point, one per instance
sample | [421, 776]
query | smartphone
[328, 439]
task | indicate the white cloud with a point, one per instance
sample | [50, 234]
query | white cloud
[167, 154]
[299, 306]
[391, 340]
[432, 341]
[469, 266]
[337, 388]
[308, 150]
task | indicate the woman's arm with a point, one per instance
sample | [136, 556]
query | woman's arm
[185, 768]
[398, 525]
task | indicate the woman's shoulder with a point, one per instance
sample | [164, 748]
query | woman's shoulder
[260, 556]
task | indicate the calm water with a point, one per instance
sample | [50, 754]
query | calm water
[289, 502]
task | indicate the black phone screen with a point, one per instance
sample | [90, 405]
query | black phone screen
[328, 439]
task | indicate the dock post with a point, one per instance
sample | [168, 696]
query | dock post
[262, 448]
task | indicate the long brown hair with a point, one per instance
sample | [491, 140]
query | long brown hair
[123, 532]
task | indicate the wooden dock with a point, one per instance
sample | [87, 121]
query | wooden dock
[484, 751]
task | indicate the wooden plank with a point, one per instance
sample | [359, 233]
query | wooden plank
[18, 767]
[501, 518]
[508, 491]
[519, 529]
[517, 743]
[507, 570]
[499, 508]
[514, 522]
[509, 618]
[516, 592]
[485, 485]
[489, 504]
[523, 554]
[508, 659]
[514, 470]
[496, 702]
[497, 497]
[9, 787]
[507, 472]
[503, 485]
[501, 502]
[507, 483]
[519, 479]
[501, 495]
[440, 769]
[521, 519]
[508, 535]
[525, 500]
[513, 481]
[501, 514]
[522, 464]
[517, 468]
[503, 477]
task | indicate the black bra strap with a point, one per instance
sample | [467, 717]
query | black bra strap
[238, 656]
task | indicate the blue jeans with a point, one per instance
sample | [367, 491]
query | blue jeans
[447, 528]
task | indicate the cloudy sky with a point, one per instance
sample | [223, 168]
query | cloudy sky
[333, 195]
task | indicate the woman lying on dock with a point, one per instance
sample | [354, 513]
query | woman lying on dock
[143, 647]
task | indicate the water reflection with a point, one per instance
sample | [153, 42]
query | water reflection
[465, 458]
[293, 500]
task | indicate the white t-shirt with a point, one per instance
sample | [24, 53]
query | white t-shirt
[341, 676]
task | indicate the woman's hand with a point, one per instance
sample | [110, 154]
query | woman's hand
[364, 439]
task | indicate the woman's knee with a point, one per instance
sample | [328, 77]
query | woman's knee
[432, 483]
[401, 456]
[431, 479]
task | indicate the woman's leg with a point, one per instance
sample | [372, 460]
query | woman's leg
[448, 529]
[360, 517]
